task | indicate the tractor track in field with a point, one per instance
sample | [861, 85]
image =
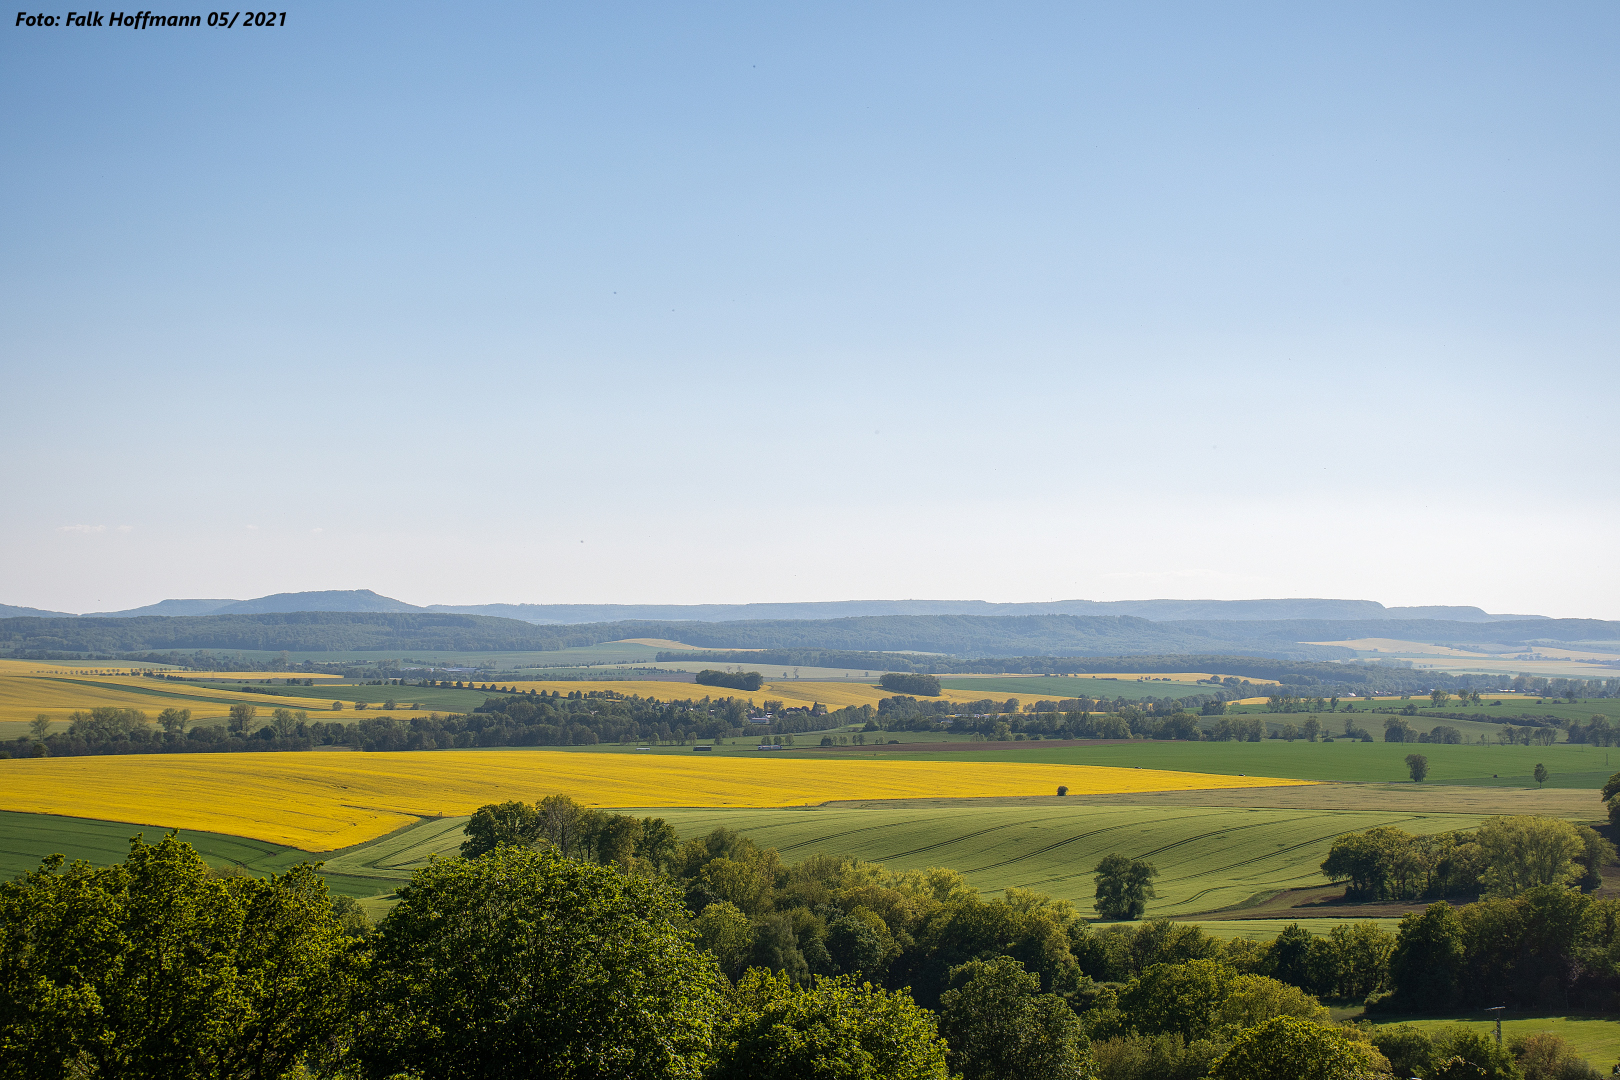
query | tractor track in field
[1070, 840]
[1282, 851]
[906, 824]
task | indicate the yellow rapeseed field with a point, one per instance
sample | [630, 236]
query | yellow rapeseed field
[324, 801]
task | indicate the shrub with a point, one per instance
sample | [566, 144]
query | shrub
[905, 682]
[1545, 1056]
[731, 680]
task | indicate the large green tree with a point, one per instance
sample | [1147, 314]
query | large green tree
[1177, 999]
[1001, 1027]
[1524, 851]
[158, 968]
[1428, 957]
[777, 1029]
[526, 963]
[491, 826]
[1123, 886]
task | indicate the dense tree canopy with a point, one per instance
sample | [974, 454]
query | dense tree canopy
[1001, 1027]
[524, 963]
[777, 1029]
[157, 968]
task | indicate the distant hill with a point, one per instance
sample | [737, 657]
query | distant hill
[7, 611]
[1152, 610]
[358, 600]
[165, 607]
[578, 614]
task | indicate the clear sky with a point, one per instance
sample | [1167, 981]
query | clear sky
[651, 302]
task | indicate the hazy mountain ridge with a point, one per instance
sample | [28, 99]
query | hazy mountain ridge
[362, 600]
[1153, 610]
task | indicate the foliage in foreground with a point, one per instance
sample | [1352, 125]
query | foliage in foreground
[566, 950]
[159, 968]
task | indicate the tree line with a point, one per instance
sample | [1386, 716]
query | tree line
[1504, 857]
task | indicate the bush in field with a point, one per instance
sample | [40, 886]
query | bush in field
[1545, 1056]
[731, 680]
[906, 682]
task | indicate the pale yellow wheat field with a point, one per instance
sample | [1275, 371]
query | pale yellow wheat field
[23, 697]
[791, 692]
[324, 801]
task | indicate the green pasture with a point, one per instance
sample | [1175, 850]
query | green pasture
[1207, 858]
[1596, 1038]
[26, 839]
[1571, 766]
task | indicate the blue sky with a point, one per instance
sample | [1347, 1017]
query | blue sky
[681, 303]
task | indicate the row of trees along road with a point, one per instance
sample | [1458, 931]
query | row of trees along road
[570, 942]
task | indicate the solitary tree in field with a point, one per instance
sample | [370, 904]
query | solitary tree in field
[242, 716]
[1439, 697]
[1123, 887]
[1418, 766]
[1540, 774]
[39, 725]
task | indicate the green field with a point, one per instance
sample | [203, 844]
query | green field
[1207, 858]
[1596, 1038]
